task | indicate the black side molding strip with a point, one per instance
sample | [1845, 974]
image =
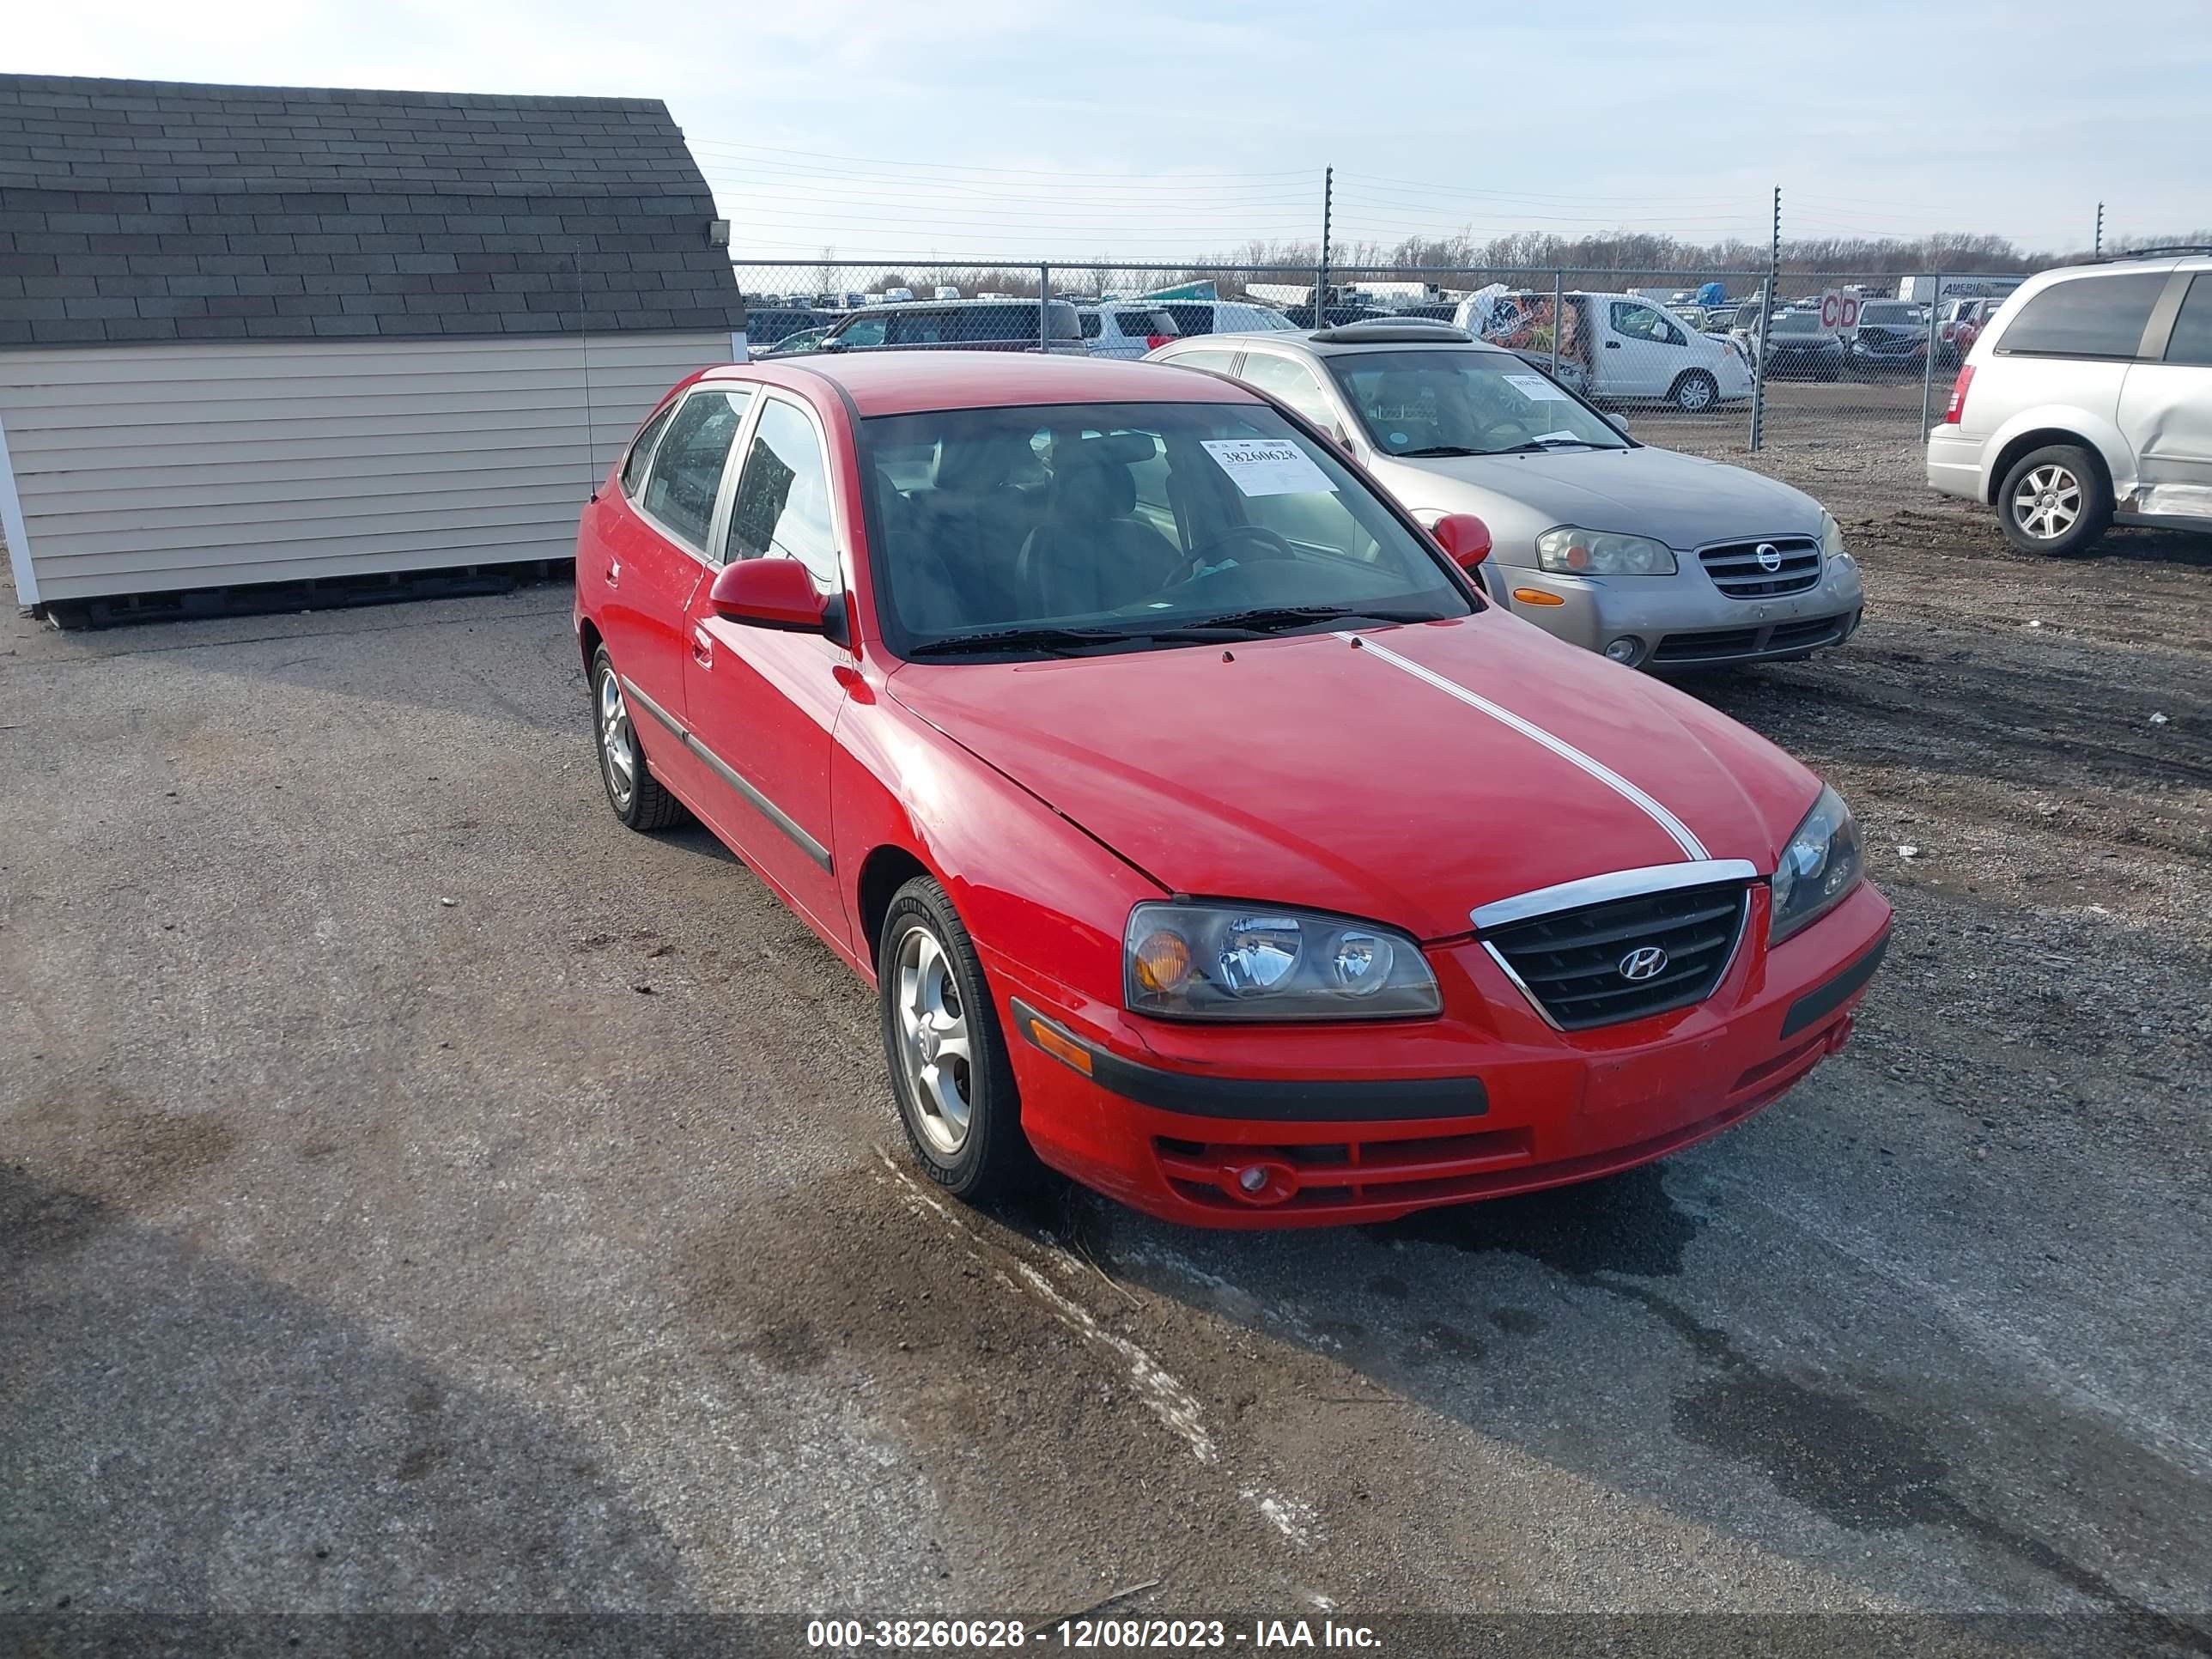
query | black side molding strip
[1266, 1099]
[1819, 1005]
[721, 768]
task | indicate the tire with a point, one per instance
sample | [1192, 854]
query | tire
[636, 797]
[2055, 500]
[927, 970]
[1695, 392]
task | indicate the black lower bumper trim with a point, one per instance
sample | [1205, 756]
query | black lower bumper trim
[1307, 1100]
[1819, 1005]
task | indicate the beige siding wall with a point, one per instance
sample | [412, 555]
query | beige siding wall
[154, 467]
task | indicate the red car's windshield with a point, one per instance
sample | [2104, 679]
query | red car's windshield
[1116, 525]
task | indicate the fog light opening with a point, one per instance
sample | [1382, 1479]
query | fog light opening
[1261, 1182]
[1627, 650]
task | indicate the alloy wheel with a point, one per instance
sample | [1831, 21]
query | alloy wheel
[935, 1044]
[2048, 502]
[617, 743]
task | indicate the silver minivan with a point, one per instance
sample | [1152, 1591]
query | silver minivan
[2087, 402]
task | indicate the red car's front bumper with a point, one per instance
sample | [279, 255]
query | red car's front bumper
[1318, 1125]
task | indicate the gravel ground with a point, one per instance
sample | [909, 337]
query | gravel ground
[417, 1192]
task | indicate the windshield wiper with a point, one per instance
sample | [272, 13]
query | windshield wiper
[1069, 641]
[1545, 446]
[1433, 450]
[1268, 618]
[1063, 641]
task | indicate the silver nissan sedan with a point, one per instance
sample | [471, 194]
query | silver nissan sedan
[1657, 559]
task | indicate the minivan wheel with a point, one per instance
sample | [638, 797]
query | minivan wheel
[1695, 393]
[632, 791]
[2055, 500]
[949, 1073]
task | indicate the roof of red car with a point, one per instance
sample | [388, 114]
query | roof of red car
[905, 382]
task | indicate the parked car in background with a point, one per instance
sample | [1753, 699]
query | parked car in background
[1652, 558]
[796, 345]
[974, 324]
[1204, 832]
[1798, 346]
[768, 327]
[946, 291]
[1892, 334]
[1220, 316]
[1125, 328]
[2086, 402]
[1613, 348]
[1961, 325]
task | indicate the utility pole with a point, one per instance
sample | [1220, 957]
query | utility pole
[1765, 312]
[2100, 230]
[1321, 272]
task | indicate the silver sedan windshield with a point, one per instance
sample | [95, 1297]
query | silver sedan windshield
[1441, 403]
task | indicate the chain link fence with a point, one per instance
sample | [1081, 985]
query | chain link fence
[1708, 361]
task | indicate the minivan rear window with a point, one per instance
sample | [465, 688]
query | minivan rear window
[2099, 316]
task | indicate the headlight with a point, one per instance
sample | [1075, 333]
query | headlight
[1248, 961]
[1818, 867]
[1831, 538]
[1573, 552]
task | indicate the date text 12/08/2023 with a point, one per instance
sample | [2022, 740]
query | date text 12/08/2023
[1083, 1634]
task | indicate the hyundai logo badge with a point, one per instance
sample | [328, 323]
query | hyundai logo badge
[1770, 557]
[1643, 963]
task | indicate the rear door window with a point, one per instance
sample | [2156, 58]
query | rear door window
[1292, 382]
[686, 473]
[640, 452]
[1220, 361]
[2100, 316]
[2191, 341]
[1192, 318]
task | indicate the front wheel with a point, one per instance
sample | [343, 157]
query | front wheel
[1695, 393]
[954, 1084]
[2055, 500]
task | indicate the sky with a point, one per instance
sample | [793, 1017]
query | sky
[944, 131]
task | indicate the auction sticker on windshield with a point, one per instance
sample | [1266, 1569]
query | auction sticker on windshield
[1537, 388]
[1262, 466]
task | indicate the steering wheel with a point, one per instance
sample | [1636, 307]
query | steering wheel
[1275, 546]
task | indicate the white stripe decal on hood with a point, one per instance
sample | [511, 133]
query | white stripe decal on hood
[1691, 846]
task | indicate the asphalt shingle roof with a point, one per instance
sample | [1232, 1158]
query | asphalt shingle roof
[156, 210]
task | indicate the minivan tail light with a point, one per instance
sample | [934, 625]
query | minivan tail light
[1957, 407]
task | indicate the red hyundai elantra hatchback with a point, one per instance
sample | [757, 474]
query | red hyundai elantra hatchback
[1204, 831]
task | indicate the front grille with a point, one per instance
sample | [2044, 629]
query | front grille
[1736, 571]
[1347, 1177]
[1571, 963]
[1814, 630]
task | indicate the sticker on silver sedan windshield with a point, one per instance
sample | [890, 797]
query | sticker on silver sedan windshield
[1268, 466]
[1536, 388]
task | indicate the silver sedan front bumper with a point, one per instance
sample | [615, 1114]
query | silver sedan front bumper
[1683, 621]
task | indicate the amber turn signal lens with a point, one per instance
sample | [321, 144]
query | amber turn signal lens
[1162, 961]
[1059, 1048]
[1536, 596]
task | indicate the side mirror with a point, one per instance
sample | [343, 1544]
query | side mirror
[770, 593]
[1464, 538]
[1618, 422]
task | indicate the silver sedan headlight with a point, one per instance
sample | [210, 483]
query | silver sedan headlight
[1818, 867]
[1255, 962]
[1831, 538]
[1571, 552]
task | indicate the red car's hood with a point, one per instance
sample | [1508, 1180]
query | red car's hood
[1311, 772]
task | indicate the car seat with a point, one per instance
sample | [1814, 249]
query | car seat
[1091, 553]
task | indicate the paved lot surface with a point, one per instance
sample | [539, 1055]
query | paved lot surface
[417, 1191]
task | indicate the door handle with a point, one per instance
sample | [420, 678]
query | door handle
[614, 572]
[1613, 345]
[702, 648]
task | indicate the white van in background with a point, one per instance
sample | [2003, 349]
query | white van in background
[1615, 347]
